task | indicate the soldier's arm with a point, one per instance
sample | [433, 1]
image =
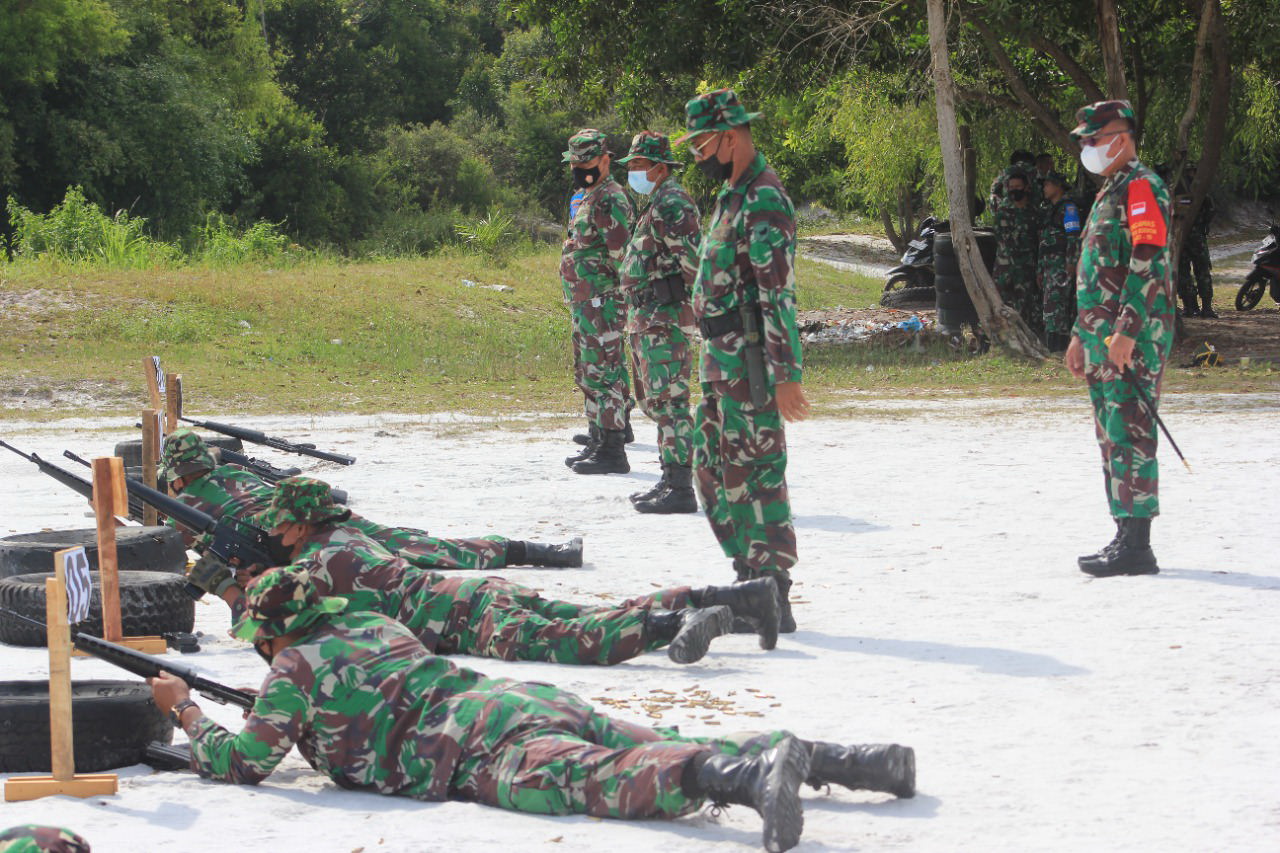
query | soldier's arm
[1149, 235]
[275, 723]
[678, 227]
[614, 219]
[771, 248]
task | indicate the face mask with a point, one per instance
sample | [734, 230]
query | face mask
[716, 171]
[640, 182]
[1017, 195]
[280, 554]
[263, 650]
[1095, 158]
[586, 177]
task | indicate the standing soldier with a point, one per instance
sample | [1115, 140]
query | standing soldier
[1195, 253]
[1017, 221]
[744, 299]
[598, 235]
[657, 277]
[1056, 258]
[1019, 161]
[1124, 328]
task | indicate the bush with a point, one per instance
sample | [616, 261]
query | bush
[410, 232]
[218, 244]
[495, 235]
[432, 165]
[76, 230]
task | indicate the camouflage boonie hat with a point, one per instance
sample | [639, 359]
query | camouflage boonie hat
[718, 110]
[34, 838]
[301, 500]
[1098, 115]
[586, 144]
[184, 452]
[650, 145]
[283, 600]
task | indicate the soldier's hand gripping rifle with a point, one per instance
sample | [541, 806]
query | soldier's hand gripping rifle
[253, 436]
[232, 541]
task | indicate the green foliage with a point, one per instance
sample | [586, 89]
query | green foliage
[77, 231]
[220, 245]
[434, 165]
[493, 235]
[40, 39]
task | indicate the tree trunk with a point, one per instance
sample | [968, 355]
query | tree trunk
[1112, 54]
[998, 320]
[899, 241]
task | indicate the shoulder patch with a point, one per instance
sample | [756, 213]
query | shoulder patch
[1070, 217]
[1146, 222]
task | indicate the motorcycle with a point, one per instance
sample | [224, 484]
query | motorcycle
[1266, 269]
[916, 269]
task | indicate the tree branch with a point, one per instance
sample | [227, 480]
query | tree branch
[1069, 66]
[1197, 75]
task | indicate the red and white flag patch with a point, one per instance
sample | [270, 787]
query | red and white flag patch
[1146, 222]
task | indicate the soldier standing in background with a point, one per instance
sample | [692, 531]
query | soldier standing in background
[657, 277]
[1017, 224]
[1019, 161]
[1195, 253]
[598, 235]
[1056, 257]
[745, 301]
[1124, 328]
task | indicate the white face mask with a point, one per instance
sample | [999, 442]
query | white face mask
[640, 182]
[1095, 158]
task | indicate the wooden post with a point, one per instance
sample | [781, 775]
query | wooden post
[61, 739]
[109, 500]
[172, 401]
[151, 369]
[150, 456]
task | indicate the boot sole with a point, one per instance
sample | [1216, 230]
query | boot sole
[650, 505]
[771, 624]
[581, 468]
[781, 808]
[1113, 572]
[692, 642]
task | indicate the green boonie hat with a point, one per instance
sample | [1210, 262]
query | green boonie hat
[586, 144]
[185, 452]
[650, 145]
[718, 110]
[283, 600]
[301, 500]
[1098, 115]
[34, 838]
[1057, 178]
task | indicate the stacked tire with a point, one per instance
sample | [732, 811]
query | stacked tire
[151, 549]
[955, 308]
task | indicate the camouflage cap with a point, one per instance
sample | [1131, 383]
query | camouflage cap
[1098, 115]
[33, 838]
[650, 145]
[1057, 178]
[184, 452]
[587, 144]
[301, 500]
[718, 110]
[283, 600]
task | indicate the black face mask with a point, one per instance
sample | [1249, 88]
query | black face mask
[280, 554]
[1017, 195]
[263, 652]
[586, 177]
[715, 170]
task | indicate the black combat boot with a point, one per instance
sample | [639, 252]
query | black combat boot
[769, 783]
[688, 632]
[657, 487]
[583, 438]
[1132, 555]
[1206, 303]
[786, 622]
[1100, 556]
[608, 457]
[565, 555]
[885, 767]
[593, 440]
[754, 604]
[677, 497]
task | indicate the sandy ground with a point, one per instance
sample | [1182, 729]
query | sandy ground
[939, 606]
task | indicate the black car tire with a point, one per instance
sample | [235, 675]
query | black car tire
[150, 603]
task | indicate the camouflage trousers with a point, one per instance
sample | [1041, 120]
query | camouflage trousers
[600, 369]
[1058, 286]
[662, 367]
[1125, 429]
[1195, 254]
[495, 618]
[579, 761]
[1018, 289]
[740, 456]
[430, 552]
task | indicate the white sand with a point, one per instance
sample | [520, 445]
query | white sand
[940, 607]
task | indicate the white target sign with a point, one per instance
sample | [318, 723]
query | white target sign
[75, 566]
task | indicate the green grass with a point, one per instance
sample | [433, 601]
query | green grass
[405, 336]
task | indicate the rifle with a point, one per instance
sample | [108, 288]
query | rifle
[166, 756]
[147, 666]
[255, 437]
[269, 472]
[234, 542]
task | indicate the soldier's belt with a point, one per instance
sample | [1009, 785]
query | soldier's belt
[723, 324]
[664, 291]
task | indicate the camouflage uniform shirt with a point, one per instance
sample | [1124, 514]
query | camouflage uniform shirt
[597, 239]
[227, 490]
[664, 245]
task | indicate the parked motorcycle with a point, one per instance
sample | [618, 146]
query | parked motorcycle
[1266, 269]
[911, 281]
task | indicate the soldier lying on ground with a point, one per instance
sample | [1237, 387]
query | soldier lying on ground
[489, 616]
[199, 481]
[369, 705]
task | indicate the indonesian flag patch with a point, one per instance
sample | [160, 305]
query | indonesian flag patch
[1146, 223]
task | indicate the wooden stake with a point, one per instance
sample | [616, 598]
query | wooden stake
[172, 401]
[150, 455]
[109, 500]
[153, 383]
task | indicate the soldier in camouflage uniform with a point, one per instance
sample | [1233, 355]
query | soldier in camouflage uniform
[488, 616]
[1017, 225]
[744, 299]
[1056, 257]
[368, 705]
[1124, 329]
[1195, 253]
[229, 490]
[1019, 161]
[658, 271]
[598, 235]
[33, 838]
